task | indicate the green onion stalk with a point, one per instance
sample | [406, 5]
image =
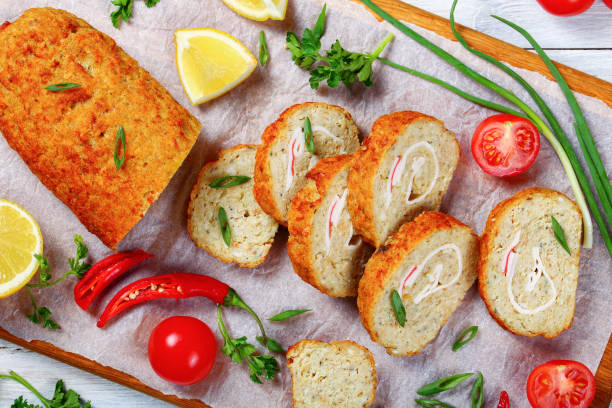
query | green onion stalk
[561, 145]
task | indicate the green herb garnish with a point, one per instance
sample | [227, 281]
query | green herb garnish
[41, 315]
[287, 314]
[433, 403]
[560, 234]
[124, 10]
[398, 308]
[120, 138]
[225, 228]
[462, 341]
[443, 384]
[271, 344]
[263, 49]
[62, 86]
[228, 181]
[338, 65]
[308, 138]
[62, 398]
[43, 264]
[239, 351]
[477, 391]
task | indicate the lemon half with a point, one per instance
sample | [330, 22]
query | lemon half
[210, 62]
[20, 239]
[259, 9]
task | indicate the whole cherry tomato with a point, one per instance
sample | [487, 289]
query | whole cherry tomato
[566, 7]
[608, 3]
[182, 350]
[505, 145]
[560, 384]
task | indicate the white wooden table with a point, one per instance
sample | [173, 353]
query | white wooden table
[583, 42]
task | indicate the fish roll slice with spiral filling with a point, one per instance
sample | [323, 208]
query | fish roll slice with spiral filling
[252, 231]
[322, 246]
[431, 262]
[403, 169]
[284, 158]
[526, 277]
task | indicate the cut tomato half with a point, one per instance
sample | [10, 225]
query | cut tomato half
[561, 384]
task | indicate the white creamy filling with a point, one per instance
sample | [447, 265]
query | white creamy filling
[532, 279]
[296, 148]
[434, 278]
[398, 167]
[334, 212]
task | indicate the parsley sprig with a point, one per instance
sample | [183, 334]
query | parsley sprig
[239, 350]
[337, 65]
[62, 398]
[124, 10]
[78, 268]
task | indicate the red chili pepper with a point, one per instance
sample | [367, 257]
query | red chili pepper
[104, 273]
[504, 400]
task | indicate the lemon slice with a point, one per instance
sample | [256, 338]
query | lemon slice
[210, 62]
[20, 239]
[259, 9]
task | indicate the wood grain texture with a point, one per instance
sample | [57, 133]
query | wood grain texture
[579, 26]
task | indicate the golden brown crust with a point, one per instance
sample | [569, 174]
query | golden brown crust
[194, 194]
[301, 213]
[263, 187]
[381, 267]
[368, 159]
[68, 138]
[295, 349]
[488, 235]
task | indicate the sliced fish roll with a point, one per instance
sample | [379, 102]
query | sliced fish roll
[227, 184]
[288, 151]
[322, 246]
[527, 277]
[403, 169]
[431, 262]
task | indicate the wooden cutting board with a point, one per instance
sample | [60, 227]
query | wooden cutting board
[577, 80]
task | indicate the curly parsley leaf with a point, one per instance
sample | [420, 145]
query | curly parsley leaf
[23, 403]
[62, 398]
[43, 264]
[124, 10]
[78, 268]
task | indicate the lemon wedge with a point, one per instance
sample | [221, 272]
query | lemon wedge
[210, 62]
[20, 239]
[259, 9]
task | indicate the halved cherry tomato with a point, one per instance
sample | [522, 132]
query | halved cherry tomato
[505, 145]
[561, 384]
[182, 350]
[566, 7]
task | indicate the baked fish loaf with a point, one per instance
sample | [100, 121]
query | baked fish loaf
[67, 138]
[431, 262]
[403, 168]
[324, 375]
[322, 245]
[283, 158]
[252, 230]
[526, 278]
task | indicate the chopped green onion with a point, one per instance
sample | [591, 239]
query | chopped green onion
[62, 86]
[560, 234]
[263, 49]
[443, 384]
[398, 308]
[225, 228]
[120, 137]
[228, 181]
[462, 341]
[287, 314]
[308, 139]
[477, 391]
[433, 403]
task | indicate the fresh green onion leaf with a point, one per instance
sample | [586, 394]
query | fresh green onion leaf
[443, 384]
[308, 138]
[433, 403]
[462, 341]
[62, 86]
[225, 228]
[263, 49]
[319, 27]
[477, 391]
[287, 314]
[120, 137]
[398, 308]
[271, 344]
[560, 234]
[228, 181]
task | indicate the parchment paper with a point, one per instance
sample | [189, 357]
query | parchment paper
[240, 117]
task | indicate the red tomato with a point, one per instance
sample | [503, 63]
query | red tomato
[561, 384]
[505, 145]
[566, 7]
[182, 350]
[608, 3]
[504, 400]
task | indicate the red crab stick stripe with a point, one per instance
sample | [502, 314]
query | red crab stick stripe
[104, 273]
[170, 286]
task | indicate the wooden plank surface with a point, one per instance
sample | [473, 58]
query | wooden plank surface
[512, 54]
